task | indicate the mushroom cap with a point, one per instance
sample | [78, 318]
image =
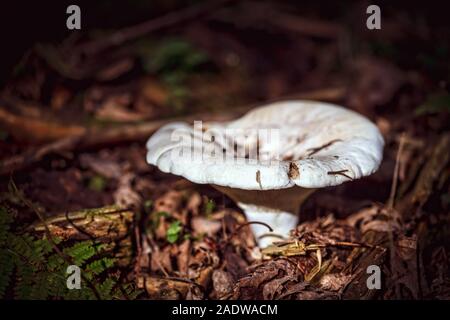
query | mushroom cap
[310, 144]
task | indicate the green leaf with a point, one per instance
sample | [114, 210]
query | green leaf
[173, 233]
[82, 251]
[98, 266]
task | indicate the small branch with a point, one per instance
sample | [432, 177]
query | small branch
[139, 30]
[390, 204]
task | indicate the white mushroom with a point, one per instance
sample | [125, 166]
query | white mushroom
[270, 160]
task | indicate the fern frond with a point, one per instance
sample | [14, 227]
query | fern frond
[105, 289]
[81, 251]
[96, 267]
[6, 267]
[5, 221]
[25, 280]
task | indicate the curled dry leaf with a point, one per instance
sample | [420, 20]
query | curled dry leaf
[272, 289]
[249, 286]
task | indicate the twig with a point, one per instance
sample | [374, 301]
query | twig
[139, 30]
[390, 204]
[253, 222]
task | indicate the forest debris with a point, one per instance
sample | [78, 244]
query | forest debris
[36, 130]
[193, 204]
[125, 195]
[104, 224]
[279, 270]
[204, 277]
[273, 288]
[60, 97]
[203, 255]
[169, 202]
[234, 263]
[151, 91]
[76, 138]
[161, 260]
[428, 176]
[222, 283]
[183, 256]
[104, 166]
[116, 69]
[359, 260]
[376, 82]
[136, 31]
[375, 218]
[202, 225]
[293, 248]
[297, 247]
[391, 200]
[115, 108]
[109, 225]
[334, 281]
[168, 289]
[405, 268]
[262, 13]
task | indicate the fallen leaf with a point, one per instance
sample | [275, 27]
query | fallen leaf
[202, 225]
[222, 282]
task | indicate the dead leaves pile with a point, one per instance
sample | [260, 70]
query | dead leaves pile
[326, 258]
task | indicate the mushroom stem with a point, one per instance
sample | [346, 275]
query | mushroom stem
[277, 208]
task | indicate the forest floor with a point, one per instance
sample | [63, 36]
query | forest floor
[74, 122]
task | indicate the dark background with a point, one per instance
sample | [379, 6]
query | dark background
[23, 23]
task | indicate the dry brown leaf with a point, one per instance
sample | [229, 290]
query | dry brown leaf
[202, 225]
[334, 281]
[183, 256]
[170, 202]
[222, 282]
[272, 289]
[168, 289]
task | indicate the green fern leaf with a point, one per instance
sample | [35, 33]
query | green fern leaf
[6, 267]
[98, 266]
